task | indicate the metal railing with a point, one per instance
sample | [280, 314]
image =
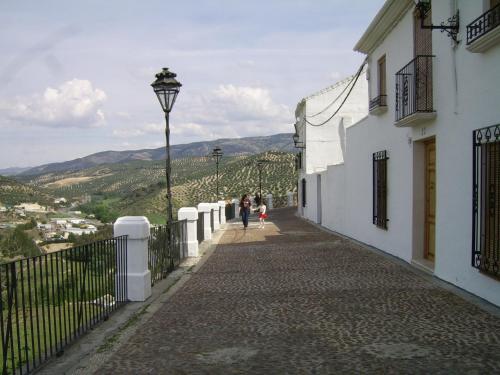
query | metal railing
[212, 219]
[50, 300]
[483, 24]
[379, 101]
[229, 211]
[163, 258]
[414, 87]
[200, 227]
[486, 200]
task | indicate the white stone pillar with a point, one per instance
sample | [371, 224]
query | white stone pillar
[236, 207]
[289, 199]
[269, 199]
[191, 215]
[138, 274]
[222, 212]
[215, 207]
[207, 229]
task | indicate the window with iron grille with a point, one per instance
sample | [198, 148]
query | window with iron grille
[380, 189]
[486, 200]
[303, 192]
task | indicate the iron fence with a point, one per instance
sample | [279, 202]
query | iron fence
[483, 24]
[200, 227]
[164, 257]
[486, 200]
[414, 87]
[49, 301]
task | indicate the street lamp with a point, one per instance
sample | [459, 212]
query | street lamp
[217, 155]
[166, 88]
[296, 141]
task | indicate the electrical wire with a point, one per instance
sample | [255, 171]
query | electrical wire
[334, 100]
[356, 77]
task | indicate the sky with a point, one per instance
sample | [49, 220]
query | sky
[75, 75]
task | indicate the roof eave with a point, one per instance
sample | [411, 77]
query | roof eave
[387, 17]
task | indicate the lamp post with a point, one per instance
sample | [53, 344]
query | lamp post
[217, 155]
[166, 88]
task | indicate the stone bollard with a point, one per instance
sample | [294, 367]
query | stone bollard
[289, 199]
[191, 215]
[138, 274]
[216, 207]
[269, 199]
[207, 229]
[236, 207]
[222, 212]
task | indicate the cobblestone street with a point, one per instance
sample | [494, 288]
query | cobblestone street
[293, 299]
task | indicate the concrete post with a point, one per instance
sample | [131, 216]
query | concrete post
[269, 199]
[222, 212]
[236, 207]
[191, 215]
[207, 229]
[138, 274]
[215, 207]
[289, 199]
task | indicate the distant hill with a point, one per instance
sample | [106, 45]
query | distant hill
[13, 192]
[230, 146]
[138, 187]
[13, 171]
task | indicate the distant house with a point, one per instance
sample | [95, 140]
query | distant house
[60, 201]
[3, 209]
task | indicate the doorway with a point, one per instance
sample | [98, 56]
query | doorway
[318, 184]
[430, 200]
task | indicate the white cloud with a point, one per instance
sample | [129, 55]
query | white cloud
[75, 103]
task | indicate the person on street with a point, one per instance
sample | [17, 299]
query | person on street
[245, 205]
[262, 214]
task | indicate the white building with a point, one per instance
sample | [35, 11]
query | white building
[420, 177]
[322, 133]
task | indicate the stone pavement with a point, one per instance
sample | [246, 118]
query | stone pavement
[294, 299]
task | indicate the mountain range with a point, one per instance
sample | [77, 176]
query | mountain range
[230, 146]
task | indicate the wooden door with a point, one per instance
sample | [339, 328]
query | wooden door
[430, 200]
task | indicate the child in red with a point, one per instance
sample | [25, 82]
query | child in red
[262, 215]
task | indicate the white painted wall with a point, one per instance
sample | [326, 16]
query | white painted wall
[466, 97]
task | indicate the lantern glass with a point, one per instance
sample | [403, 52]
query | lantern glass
[166, 88]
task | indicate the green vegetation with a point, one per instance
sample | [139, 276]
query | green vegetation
[15, 243]
[138, 187]
[13, 192]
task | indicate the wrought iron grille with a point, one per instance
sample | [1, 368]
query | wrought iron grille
[49, 301]
[200, 227]
[304, 192]
[483, 24]
[212, 220]
[380, 189]
[163, 257]
[486, 200]
[414, 87]
[379, 101]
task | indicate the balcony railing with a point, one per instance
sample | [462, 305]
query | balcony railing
[483, 24]
[414, 88]
[378, 102]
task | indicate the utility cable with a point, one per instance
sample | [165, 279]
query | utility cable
[343, 102]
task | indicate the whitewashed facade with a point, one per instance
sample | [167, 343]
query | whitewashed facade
[425, 129]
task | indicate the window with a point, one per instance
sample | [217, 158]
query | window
[381, 77]
[486, 200]
[380, 189]
[303, 192]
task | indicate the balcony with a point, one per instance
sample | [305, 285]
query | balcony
[378, 105]
[483, 33]
[414, 92]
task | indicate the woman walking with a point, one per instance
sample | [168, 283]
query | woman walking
[245, 205]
